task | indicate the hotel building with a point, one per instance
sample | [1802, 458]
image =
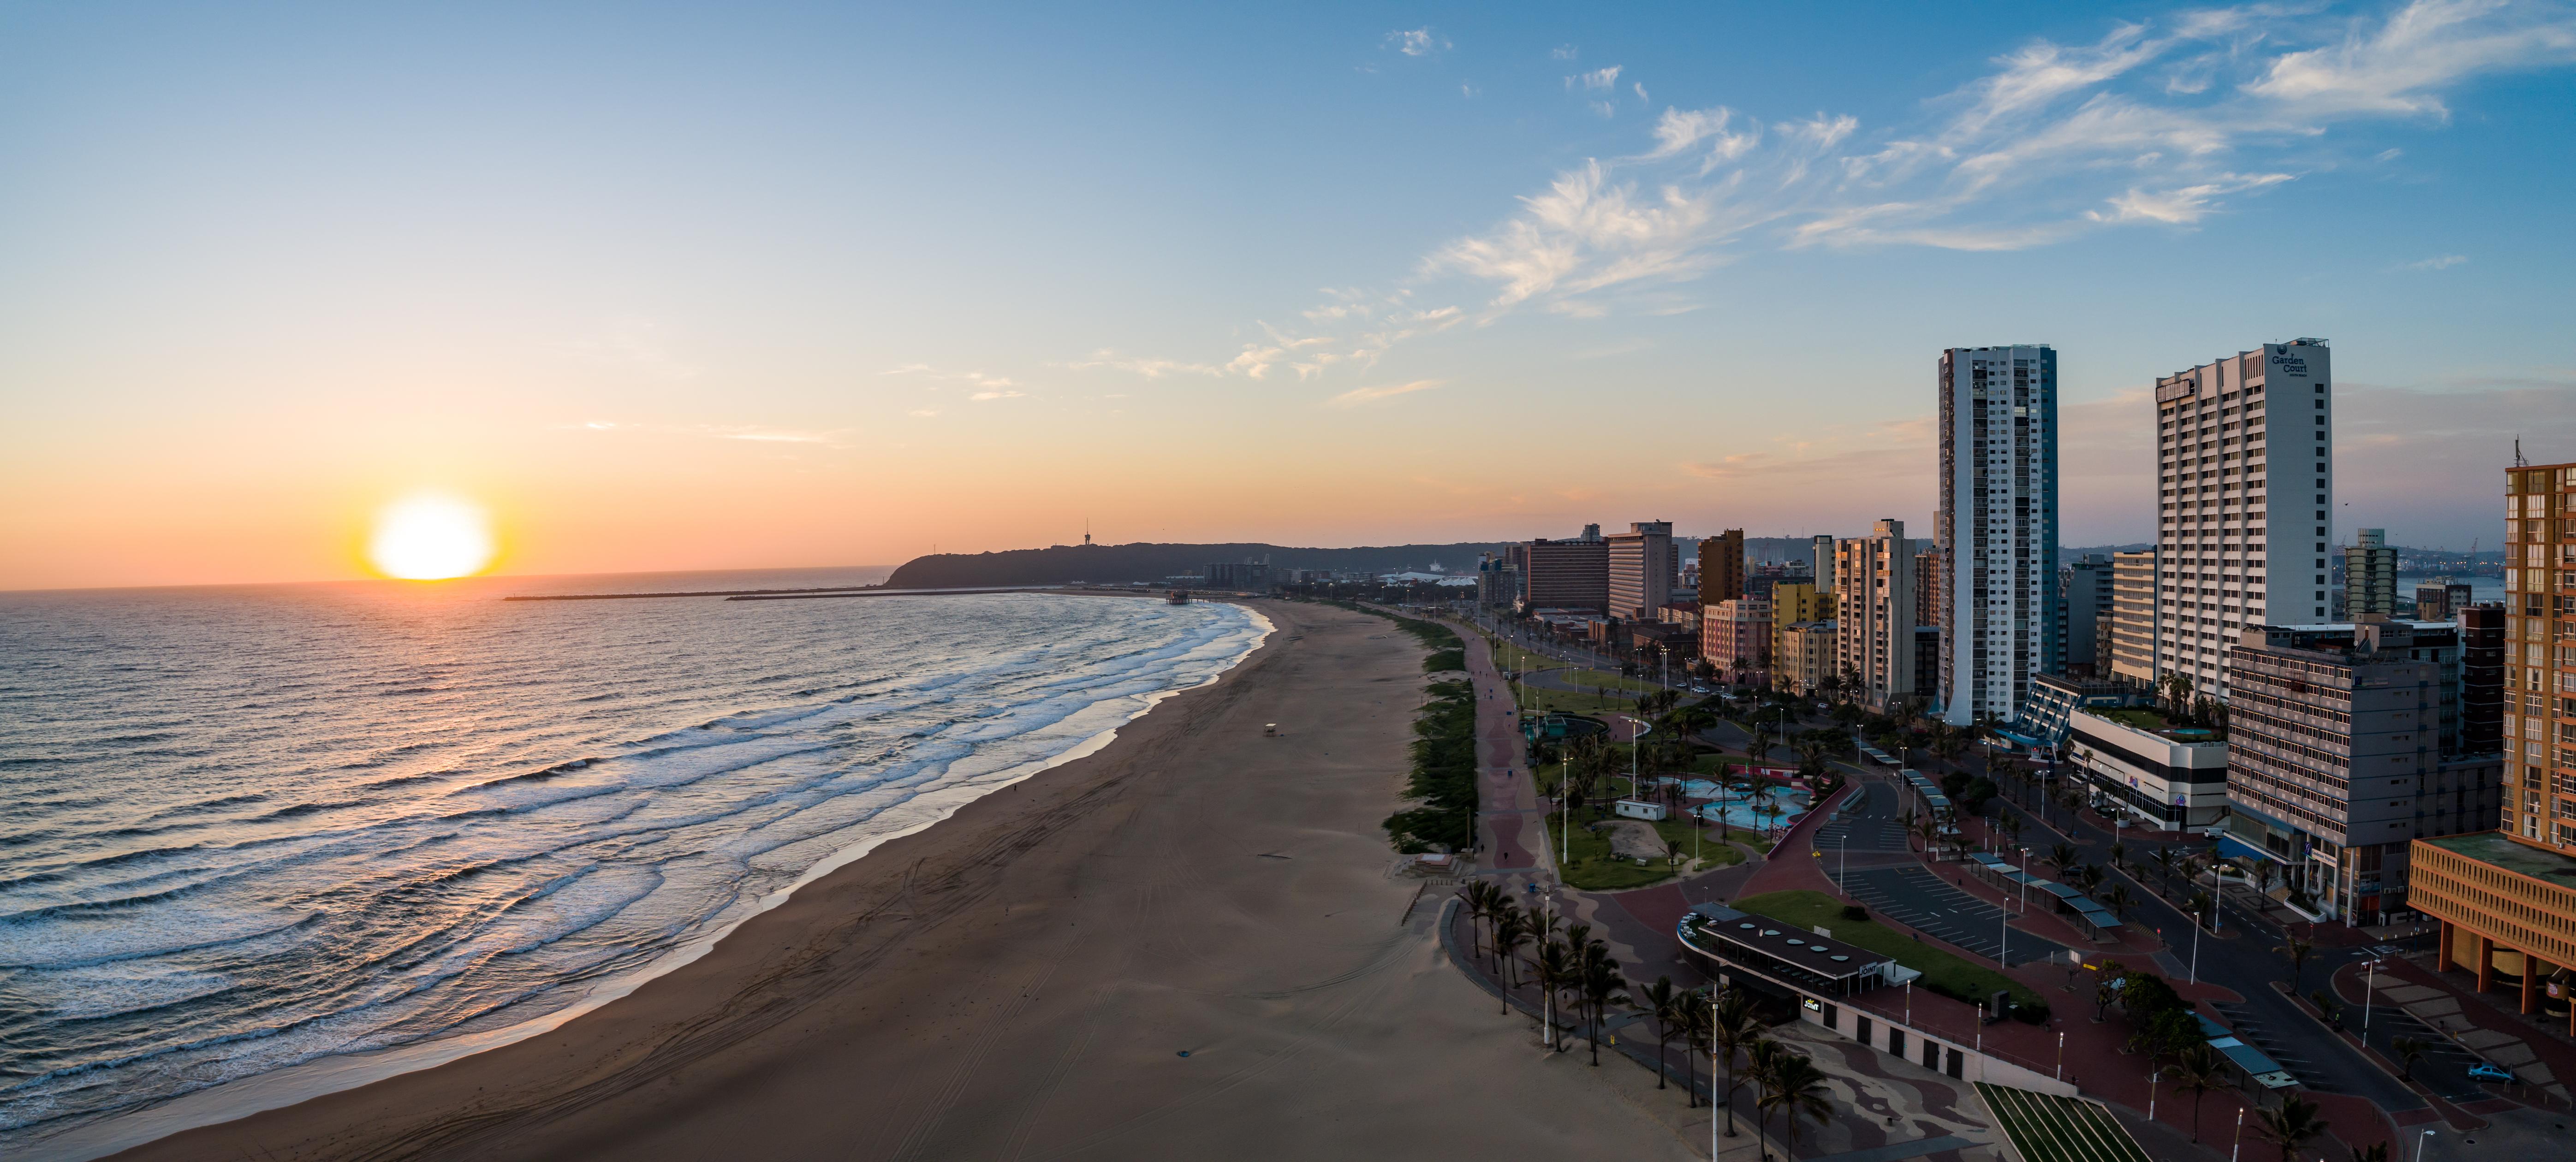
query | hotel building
[2134, 626]
[2245, 477]
[2507, 899]
[1570, 574]
[1996, 530]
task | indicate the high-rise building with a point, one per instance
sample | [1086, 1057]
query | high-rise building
[1793, 602]
[2369, 575]
[1642, 570]
[2504, 898]
[1874, 597]
[2135, 625]
[1997, 528]
[1822, 550]
[1568, 574]
[2083, 596]
[1927, 588]
[2441, 599]
[2245, 477]
[2344, 746]
[1721, 567]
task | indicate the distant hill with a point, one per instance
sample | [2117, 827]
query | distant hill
[1061, 564]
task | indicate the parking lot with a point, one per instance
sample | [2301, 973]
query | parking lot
[1918, 899]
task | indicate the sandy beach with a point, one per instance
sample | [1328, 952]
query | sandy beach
[1190, 941]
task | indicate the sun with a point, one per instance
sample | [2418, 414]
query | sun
[430, 537]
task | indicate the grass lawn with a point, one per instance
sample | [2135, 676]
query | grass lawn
[1558, 700]
[1951, 976]
[2048, 1128]
[1606, 679]
[1592, 867]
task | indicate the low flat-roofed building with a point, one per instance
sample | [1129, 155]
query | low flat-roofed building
[2508, 914]
[2131, 762]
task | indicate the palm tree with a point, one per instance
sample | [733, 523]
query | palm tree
[2409, 1050]
[2298, 950]
[2120, 901]
[1927, 831]
[2061, 856]
[1733, 1029]
[1794, 1086]
[1557, 969]
[1602, 987]
[1663, 1003]
[2289, 1125]
[2374, 1152]
[2197, 1071]
[1511, 934]
[1697, 1008]
[1479, 897]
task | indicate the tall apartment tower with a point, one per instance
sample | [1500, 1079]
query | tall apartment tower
[1642, 568]
[2369, 574]
[1721, 567]
[1824, 554]
[1997, 528]
[1874, 600]
[2134, 628]
[2245, 472]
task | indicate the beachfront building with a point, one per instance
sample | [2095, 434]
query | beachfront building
[2507, 900]
[1874, 599]
[1735, 636]
[1642, 570]
[2245, 473]
[1996, 529]
[1803, 656]
[2346, 747]
[2369, 575]
[1567, 574]
[2132, 764]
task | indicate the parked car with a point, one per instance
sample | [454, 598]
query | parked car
[2485, 1072]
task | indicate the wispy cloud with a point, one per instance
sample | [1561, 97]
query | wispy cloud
[1417, 42]
[630, 345]
[2438, 262]
[1594, 81]
[749, 433]
[1360, 395]
[2145, 126]
[1564, 52]
[990, 396]
[974, 378]
[1149, 368]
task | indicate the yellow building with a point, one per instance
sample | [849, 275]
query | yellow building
[1791, 604]
[1805, 658]
[2507, 898]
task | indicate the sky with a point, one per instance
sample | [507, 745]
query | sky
[766, 285]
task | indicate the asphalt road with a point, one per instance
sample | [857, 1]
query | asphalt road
[1916, 898]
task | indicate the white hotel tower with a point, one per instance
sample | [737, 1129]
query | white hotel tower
[1997, 527]
[2245, 476]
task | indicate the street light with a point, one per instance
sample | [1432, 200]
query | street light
[2419, 1145]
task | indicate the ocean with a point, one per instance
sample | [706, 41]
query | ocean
[260, 829]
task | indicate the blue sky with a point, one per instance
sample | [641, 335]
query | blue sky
[765, 284]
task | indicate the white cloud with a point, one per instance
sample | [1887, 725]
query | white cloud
[1640, 86]
[989, 396]
[1563, 52]
[2398, 67]
[1360, 395]
[2180, 206]
[975, 378]
[1417, 42]
[1594, 81]
[2438, 262]
[1149, 368]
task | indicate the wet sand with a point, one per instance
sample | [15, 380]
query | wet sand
[1022, 980]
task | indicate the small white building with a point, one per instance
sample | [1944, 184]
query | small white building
[1640, 809]
[2132, 765]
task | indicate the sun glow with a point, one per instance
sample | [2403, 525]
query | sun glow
[431, 537]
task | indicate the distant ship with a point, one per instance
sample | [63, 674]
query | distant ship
[1178, 597]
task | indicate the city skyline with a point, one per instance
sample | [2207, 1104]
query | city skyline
[693, 292]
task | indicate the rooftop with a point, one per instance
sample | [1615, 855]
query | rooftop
[2492, 847]
[2154, 722]
[1821, 955]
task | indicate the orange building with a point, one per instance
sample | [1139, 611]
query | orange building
[2507, 898]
